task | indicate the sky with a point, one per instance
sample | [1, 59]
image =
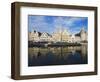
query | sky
[43, 23]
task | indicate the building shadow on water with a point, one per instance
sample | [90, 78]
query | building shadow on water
[44, 56]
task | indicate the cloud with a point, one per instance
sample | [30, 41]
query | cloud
[67, 21]
[37, 23]
[50, 23]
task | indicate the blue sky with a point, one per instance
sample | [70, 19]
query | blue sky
[50, 23]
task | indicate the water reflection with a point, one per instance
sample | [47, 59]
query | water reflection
[57, 55]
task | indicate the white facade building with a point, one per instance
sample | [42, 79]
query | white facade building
[60, 35]
[45, 37]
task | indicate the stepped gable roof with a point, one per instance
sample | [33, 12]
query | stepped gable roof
[42, 33]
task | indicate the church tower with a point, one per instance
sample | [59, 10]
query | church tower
[83, 35]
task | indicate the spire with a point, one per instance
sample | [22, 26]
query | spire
[82, 30]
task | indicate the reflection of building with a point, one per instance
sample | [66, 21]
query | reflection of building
[58, 51]
[60, 35]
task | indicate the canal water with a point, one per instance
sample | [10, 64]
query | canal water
[45, 56]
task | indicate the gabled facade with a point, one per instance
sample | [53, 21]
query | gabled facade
[60, 35]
